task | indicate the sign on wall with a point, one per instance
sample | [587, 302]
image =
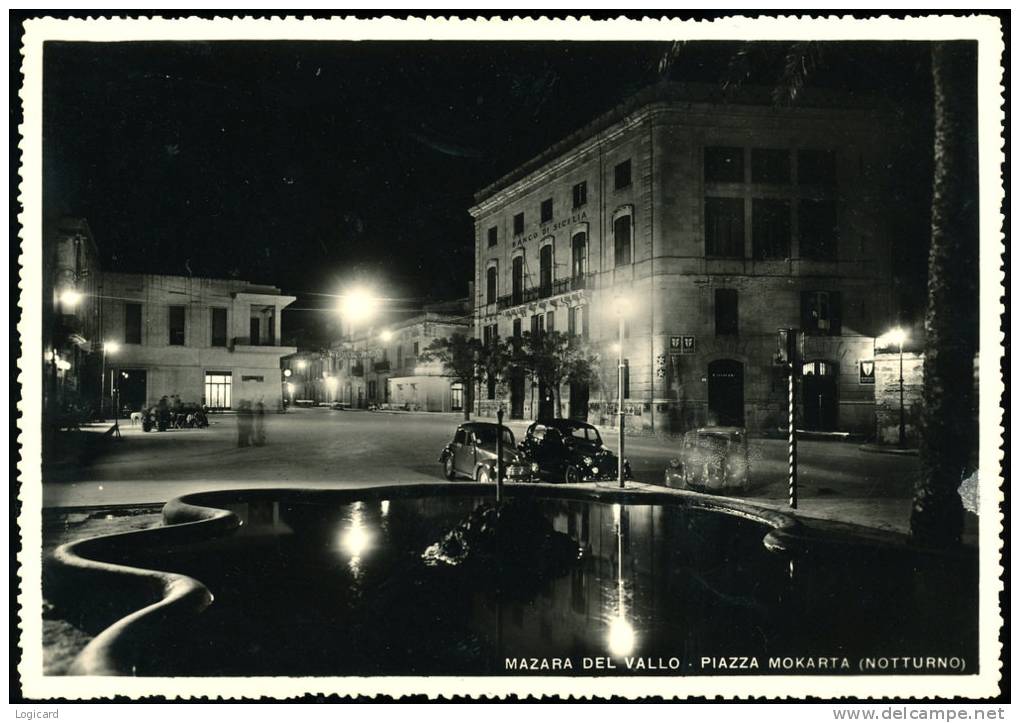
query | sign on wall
[682, 345]
[867, 371]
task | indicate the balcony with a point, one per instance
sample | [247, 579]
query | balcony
[380, 367]
[547, 291]
[357, 370]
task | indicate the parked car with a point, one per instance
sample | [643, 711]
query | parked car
[472, 454]
[712, 459]
[568, 450]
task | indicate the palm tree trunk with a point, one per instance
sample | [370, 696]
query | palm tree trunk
[948, 427]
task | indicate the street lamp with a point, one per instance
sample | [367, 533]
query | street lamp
[357, 305]
[622, 306]
[109, 347]
[897, 337]
[386, 335]
[69, 298]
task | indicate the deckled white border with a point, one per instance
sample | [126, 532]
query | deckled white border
[985, 29]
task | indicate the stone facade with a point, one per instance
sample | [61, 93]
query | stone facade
[380, 366]
[208, 341]
[718, 224]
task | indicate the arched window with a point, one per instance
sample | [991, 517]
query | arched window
[622, 240]
[517, 280]
[578, 254]
[490, 285]
[545, 270]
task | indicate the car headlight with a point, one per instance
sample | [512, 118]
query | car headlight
[587, 461]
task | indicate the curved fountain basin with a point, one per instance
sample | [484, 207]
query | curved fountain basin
[294, 582]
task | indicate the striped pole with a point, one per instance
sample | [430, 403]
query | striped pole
[792, 415]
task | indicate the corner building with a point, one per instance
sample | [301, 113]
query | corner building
[715, 223]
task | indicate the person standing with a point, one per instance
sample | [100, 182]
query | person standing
[259, 435]
[244, 424]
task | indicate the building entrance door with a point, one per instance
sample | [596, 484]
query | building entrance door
[726, 393]
[517, 395]
[131, 385]
[818, 395]
[579, 401]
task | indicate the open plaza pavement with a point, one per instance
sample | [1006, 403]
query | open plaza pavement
[322, 448]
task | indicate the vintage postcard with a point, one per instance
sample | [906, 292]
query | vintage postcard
[490, 357]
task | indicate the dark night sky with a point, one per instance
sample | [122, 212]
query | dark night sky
[307, 164]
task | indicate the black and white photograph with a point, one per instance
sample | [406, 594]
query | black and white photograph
[603, 358]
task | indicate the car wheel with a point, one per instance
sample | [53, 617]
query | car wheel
[483, 476]
[448, 468]
[573, 475]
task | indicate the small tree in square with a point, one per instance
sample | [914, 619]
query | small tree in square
[468, 361]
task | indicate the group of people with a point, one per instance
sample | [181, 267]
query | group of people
[170, 413]
[251, 424]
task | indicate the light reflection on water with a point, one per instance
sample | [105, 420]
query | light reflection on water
[652, 580]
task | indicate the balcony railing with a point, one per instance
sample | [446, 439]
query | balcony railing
[561, 286]
[248, 341]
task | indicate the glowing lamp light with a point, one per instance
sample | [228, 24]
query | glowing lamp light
[621, 637]
[331, 382]
[355, 540]
[894, 337]
[621, 305]
[287, 372]
[358, 305]
[386, 335]
[70, 298]
[111, 347]
[302, 364]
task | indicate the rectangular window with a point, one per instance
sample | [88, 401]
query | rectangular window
[416, 348]
[621, 240]
[621, 175]
[550, 321]
[585, 321]
[217, 390]
[537, 324]
[132, 323]
[493, 236]
[572, 320]
[724, 164]
[547, 210]
[253, 331]
[177, 325]
[518, 223]
[724, 227]
[517, 328]
[726, 313]
[626, 378]
[816, 168]
[218, 327]
[818, 230]
[580, 194]
[820, 313]
[770, 228]
[490, 386]
[770, 165]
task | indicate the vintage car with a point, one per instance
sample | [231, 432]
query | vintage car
[568, 450]
[712, 459]
[472, 454]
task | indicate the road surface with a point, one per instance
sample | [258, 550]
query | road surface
[327, 448]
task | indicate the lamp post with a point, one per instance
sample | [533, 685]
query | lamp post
[357, 305]
[621, 305]
[109, 347]
[898, 336]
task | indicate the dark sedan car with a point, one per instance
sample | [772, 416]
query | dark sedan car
[568, 450]
[472, 454]
[712, 459]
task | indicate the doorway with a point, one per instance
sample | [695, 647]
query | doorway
[726, 393]
[579, 401]
[131, 384]
[517, 394]
[819, 396]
